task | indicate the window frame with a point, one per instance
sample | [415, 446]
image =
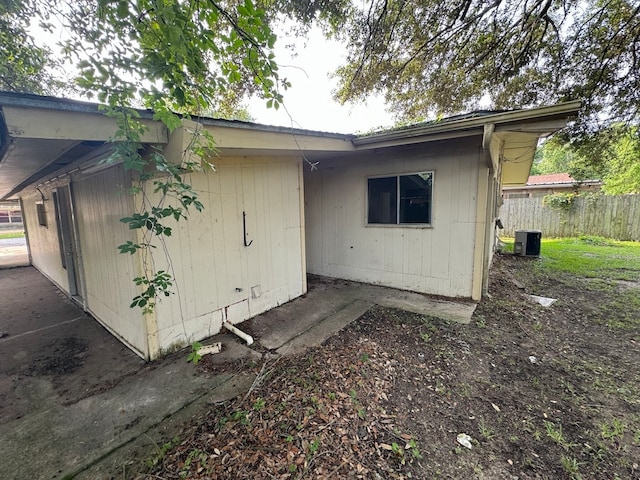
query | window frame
[399, 200]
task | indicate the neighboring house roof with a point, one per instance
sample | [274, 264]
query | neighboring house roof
[41, 135]
[553, 180]
[550, 179]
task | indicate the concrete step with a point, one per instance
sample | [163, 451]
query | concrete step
[331, 325]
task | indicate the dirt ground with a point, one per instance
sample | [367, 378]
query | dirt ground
[536, 392]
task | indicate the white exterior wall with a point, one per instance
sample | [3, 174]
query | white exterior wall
[436, 260]
[43, 241]
[101, 200]
[217, 276]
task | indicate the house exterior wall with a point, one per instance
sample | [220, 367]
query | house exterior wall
[44, 246]
[437, 259]
[100, 201]
[219, 278]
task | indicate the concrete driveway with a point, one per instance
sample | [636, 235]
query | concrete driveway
[76, 403]
[13, 252]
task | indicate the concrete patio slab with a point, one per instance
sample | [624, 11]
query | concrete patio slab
[318, 333]
[328, 296]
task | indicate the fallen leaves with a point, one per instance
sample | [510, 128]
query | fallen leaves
[319, 415]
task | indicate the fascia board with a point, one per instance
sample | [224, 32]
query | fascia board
[471, 125]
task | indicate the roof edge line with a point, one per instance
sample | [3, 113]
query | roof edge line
[468, 123]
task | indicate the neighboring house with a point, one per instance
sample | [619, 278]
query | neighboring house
[412, 208]
[541, 185]
[10, 215]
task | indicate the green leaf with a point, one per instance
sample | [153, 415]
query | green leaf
[123, 9]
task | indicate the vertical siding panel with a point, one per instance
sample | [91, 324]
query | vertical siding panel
[263, 221]
[216, 271]
[108, 274]
[277, 233]
[202, 246]
[291, 194]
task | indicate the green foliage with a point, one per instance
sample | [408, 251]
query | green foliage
[155, 284]
[314, 446]
[572, 467]
[612, 430]
[24, 66]
[259, 404]
[554, 432]
[194, 356]
[161, 452]
[622, 158]
[11, 235]
[611, 155]
[486, 431]
[430, 56]
[559, 201]
[556, 155]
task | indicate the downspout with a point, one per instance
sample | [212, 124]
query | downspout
[483, 207]
[233, 329]
[26, 230]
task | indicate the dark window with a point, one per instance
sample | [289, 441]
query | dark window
[42, 215]
[4, 217]
[401, 199]
[383, 200]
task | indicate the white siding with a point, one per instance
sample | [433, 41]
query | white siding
[43, 240]
[217, 276]
[436, 260]
[100, 201]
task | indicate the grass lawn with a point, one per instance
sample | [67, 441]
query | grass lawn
[587, 256]
[11, 235]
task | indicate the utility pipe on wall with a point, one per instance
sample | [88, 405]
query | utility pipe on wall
[233, 329]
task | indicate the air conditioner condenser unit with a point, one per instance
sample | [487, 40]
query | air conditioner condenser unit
[527, 243]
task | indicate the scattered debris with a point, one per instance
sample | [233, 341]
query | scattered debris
[210, 349]
[3, 334]
[544, 301]
[464, 440]
[533, 359]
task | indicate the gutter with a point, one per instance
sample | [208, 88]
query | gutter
[537, 186]
[474, 125]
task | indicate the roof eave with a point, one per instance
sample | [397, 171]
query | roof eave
[465, 127]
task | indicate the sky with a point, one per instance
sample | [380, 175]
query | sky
[309, 103]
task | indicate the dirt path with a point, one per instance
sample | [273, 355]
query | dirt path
[541, 393]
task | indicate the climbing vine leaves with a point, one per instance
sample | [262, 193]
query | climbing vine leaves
[177, 59]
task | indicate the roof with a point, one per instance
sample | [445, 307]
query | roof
[80, 106]
[558, 180]
[42, 135]
[550, 179]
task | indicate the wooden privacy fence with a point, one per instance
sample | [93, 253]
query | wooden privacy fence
[615, 216]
